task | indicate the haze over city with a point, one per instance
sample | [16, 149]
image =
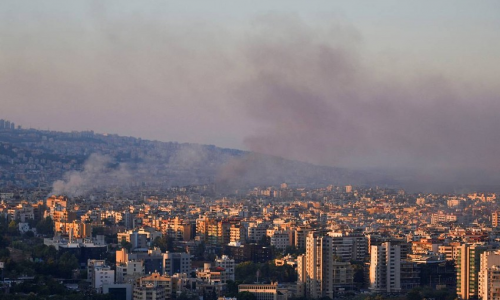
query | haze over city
[388, 85]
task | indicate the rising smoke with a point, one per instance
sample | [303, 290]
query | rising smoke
[99, 171]
[282, 85]
[316, 101]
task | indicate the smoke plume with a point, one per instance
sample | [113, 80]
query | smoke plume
[316, 101]
[99, 171]
[276, 84]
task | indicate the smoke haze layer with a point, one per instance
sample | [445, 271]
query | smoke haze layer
[316, 101]
[276, 84]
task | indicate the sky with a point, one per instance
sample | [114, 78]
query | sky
[357, 84]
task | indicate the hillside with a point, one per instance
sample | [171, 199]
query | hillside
[34, 158]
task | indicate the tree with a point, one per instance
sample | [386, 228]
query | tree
[245, 296]
[66, 264]
[231, 289]
[200, 251]
[359, 275]
[45, 226]
[160, 243]
[294, 250]
[265, 241]
[126, 245]
[13, 228]
[413, 295]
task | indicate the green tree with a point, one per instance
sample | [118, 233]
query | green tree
[126, 245]
[200, 251]
[414, 295]
[245, 296]
[160, 243]
[231, 289]
[265, 241]
[45, 226]
[13, 228]
[66, 264]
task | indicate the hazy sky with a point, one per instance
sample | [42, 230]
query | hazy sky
[347, 83]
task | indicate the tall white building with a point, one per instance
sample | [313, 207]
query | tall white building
[91, 264]
[490, 289]
[489, 276]
[385, 268]
[319, 274]
[102, 275]
[349, 247]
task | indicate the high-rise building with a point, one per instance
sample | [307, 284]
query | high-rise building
[495, 218]
[318, 258]
[490, 289]
[238, 233]
[215, 231]
[468, 264]
[350, 247]
[319, 274]
[385, 268]
[489, 275]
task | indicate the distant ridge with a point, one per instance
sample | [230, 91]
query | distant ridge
[38, 158]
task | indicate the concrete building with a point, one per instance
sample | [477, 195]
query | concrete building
[212, 275]
[129, 271]
[79, 230]
[176, 262]
[490, 285]
[280, 239]
[319, 274]
[495, 218]
[264, 291]
[385, 268]
[238, 233]
[318, 258]
[91, 264]
[489, 275]
[468, 265]
[349, 247]
[300, 237]
[256, 231]
[228, 264]
[101, 275]
[122, 291]
[153, 287]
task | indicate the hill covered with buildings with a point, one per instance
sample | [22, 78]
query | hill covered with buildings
[74, 162]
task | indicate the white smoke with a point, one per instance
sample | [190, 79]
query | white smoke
[98, 171]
